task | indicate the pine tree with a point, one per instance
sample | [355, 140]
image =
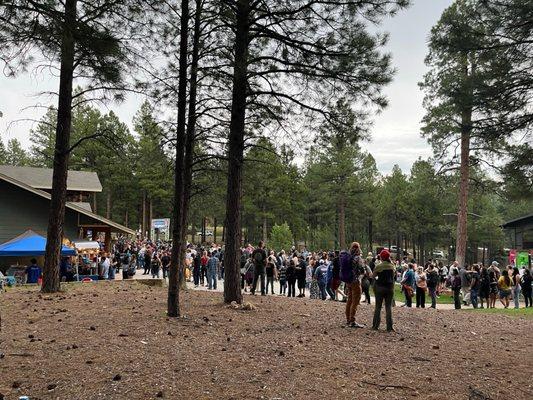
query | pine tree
[88, 40]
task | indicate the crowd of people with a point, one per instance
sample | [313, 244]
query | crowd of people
[335, 275]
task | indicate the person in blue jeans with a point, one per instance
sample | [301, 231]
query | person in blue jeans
[321, 274]
[408, 284]
[329, 278]
[212, 267]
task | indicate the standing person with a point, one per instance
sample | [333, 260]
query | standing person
[493, 292]
[456, 287]
[291, 278]
[350, 270]
[125, 264]
[113, 264]
[249, 274]
[475, 285]
[105, 264]
[196, 272]
[421, 287]
[165, 264]
[259, 258]
[321, 274]
[301, 275]
[383, 276]
[283, 277]
[526, 287]
[329, 277]
[147, 261]
[516, 287]
[212, 271]
[466, 279]
[433, 281]
[484, 286]
[156, 264]
[203, 269]
[271, 272]
[504, 286]
[336, 280]
[408, 283]
[33, 272]
[366, 281]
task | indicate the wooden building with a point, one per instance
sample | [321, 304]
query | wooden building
[519, 232]
[25, 202]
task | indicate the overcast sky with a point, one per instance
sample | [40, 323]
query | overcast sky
[396, 133]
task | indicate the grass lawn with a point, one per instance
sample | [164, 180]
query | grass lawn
[445, 298]
[512, 312]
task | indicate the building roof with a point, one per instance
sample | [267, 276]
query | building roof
[41, 178]
[70, 205]
[525, 220]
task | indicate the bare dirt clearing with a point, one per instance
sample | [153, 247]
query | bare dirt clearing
[113, 341]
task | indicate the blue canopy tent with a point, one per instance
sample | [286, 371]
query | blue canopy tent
[29, 244]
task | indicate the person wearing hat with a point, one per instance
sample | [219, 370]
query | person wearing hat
[383, 290]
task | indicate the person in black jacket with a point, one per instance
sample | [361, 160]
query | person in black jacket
[259, 258]
[291, 279]
[301, 270]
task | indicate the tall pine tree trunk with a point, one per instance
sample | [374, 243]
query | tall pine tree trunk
[108, 205]
[190, 132]
[232, 287]
[143, 218]
[342, 222]
[178, 247]
[462, 213]
[56, 216]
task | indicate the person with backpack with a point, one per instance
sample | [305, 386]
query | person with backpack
[456, 288]
[526, 287]
[433, 280]
[408, 283]
[475, 286]
[321, 273]
[350, 269]
[259, 258]
[165, 263]
[383, 275]
[125, 264]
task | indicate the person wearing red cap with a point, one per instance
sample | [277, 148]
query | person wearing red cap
[383, 290]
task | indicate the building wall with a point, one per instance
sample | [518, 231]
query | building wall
[21, 210]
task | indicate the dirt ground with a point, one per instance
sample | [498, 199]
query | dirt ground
[113, 341]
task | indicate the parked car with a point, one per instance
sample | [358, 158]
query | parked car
[438, 254]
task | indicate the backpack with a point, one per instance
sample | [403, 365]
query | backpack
[258, 257]
[125, 259]
[433, 279]
[385, 278]
[346, 267]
